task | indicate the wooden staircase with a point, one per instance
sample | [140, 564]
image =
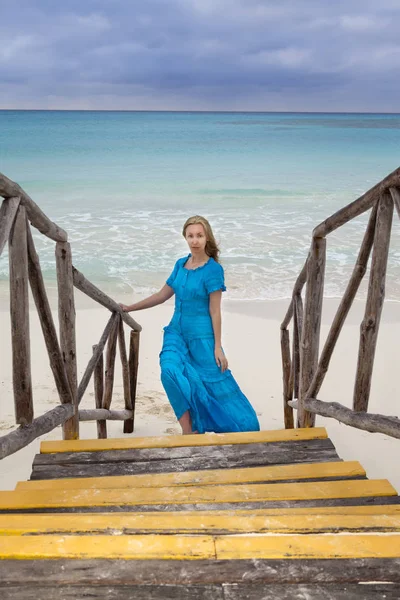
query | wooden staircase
[261, 515]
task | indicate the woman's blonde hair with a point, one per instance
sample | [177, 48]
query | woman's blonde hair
[211, 245]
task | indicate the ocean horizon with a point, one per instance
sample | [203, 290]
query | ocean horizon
[122, 183]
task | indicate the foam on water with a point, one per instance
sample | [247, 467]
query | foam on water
[122, 184]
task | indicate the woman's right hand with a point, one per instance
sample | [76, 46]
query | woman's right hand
[124, 307]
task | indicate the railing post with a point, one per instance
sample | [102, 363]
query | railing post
[66, 315]
[19, 308]
[309, 346]
[98, 378]
[133, 368]
[373, 310]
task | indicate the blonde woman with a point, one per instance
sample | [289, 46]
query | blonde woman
[194, 368]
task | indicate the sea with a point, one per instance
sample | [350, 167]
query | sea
[123, 183]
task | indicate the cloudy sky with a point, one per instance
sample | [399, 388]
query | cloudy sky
[306, 55]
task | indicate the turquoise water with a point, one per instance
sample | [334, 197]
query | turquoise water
[123, 183]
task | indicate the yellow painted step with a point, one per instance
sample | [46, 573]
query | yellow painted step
[201, 547]
[199, 523]
[179, 441]
[207, 477]
[194, 495]
[308, 546]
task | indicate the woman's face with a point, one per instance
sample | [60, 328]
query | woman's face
[196, 238]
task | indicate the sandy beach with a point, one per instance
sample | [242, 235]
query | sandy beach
[251, 341]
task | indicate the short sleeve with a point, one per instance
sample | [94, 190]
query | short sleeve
[171, 278]
[215, 280]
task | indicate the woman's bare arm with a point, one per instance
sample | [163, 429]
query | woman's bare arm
[160, 297]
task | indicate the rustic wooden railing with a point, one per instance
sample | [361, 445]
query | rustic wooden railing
[304, 369]
[17, 212]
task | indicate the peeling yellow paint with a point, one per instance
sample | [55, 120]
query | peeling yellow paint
[179, 441]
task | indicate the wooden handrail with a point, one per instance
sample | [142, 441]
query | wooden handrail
[16, 211]
[313, 368]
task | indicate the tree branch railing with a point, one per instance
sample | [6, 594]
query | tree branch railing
[304, 368]
[17, 213]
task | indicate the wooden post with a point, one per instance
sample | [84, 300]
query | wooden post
[297, 329]
[133, 367]
[98, 378]
[8, 211]
[345, 305]
[19, 308]
[110, 365]
[395, 193]
[66, 316]
[46, 322]
[311, 325]
[128, 424]
[287, 381]
[96, 355]
[373, 310]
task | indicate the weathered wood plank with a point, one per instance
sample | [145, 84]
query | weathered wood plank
[200, 494]
[209, 477]
[47, 324]
[93, 361]
[110, 365]
[131, 462]
[19, 309]
[177, 547]
[21, 437]
[100, 414]
[376, 293]
[38, 219]
[218, 522]
[287, 381]
[136, 572]
[133, 376]
[67, 319]
[98, 380]
[8, 211]
[230, 506]
[368, 422]
[345, 305]
[352, 591]
[297, 330]
[268, 452]
[175, 441]
[128, 424]
[97, 295]
[357, 207]
[116, 592]
[309, 345]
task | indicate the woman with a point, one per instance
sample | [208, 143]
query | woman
[194, 368]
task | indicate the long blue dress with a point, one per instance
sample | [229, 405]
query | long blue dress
[189, 373]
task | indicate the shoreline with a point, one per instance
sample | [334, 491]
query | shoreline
[251, 333]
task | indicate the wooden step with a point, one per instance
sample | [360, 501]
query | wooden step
[53, 499]
[226, 591]
[163, 460]
[307, 471]
[175, 441]
[187, 547]
[221, 522]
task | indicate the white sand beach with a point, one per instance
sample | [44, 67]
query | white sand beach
[251, 338]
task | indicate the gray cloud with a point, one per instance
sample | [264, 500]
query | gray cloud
[200, 54]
